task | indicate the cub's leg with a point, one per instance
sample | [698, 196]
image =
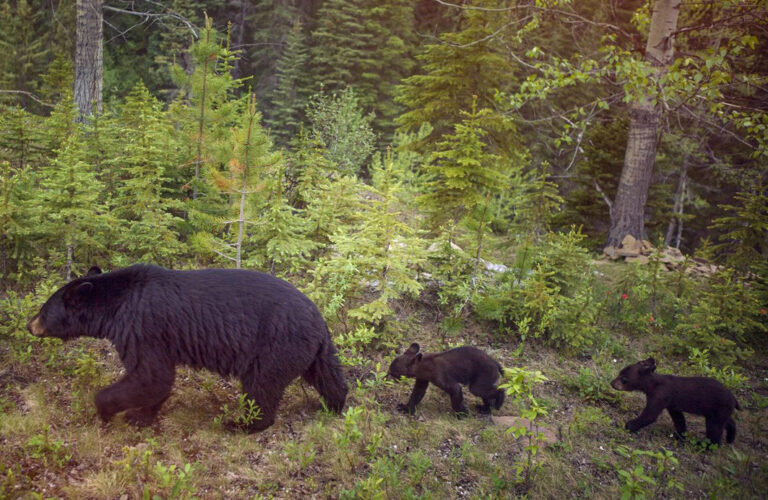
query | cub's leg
[488, 393]
[730, 430]
[679, 420]
[715, 430]
[419, 389]
[647, 417]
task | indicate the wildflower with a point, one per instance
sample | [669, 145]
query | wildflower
[652, 319]
[695, 326]
[624, 296]
[763, 311]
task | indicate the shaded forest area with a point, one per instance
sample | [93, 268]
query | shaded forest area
[571, 186]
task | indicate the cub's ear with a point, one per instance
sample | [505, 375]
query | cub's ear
[648, 365]
[93, 271]
[418, 357]
[413, 349]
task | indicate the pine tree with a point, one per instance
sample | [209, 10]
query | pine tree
[17, 211]
[73, 223]
[206, 106]
[286, 110]
[468, 64]
[463, 173]
[365, 45]
[142, 203]
[23, 54]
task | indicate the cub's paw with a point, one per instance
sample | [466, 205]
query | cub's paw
[403, 408]
[631, 425]
[483, 409]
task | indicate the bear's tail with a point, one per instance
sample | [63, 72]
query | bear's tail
[326, 376]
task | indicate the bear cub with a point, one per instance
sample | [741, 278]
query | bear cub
[698, 395]
[448, 370]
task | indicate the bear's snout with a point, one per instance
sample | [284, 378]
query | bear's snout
[35, 326]
[616, 384]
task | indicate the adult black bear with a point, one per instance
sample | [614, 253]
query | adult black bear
[697, 395]
[447, 370]
[251, 325]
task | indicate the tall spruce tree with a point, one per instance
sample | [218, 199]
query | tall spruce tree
[472, 62]
[285, 113]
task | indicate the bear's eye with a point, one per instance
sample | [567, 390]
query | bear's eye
[624, 380]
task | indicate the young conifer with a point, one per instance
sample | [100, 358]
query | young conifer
[73, 223]
[142, 202]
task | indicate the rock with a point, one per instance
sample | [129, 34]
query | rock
[647, 247]
[640, 259]
[610, 251]
[547, 435]
[630, 247]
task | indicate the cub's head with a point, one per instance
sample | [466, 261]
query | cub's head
[64, 313]
[403, 365]
[632, 377]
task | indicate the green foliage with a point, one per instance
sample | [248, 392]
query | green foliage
[730, 376]
[637, 482]
[519, 384]
[246, 413]
[142, 200]
[338, 123]
[550, 293]
[48, 450]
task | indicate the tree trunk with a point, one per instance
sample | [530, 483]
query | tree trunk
[88, 57]
[628, 212]
[676, 221]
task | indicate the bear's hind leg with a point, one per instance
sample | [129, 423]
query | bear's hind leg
[144, 390]
[491, 396]
[714, 430]
[679, 420]
[730, 430]
[326, 376]
[266, 394]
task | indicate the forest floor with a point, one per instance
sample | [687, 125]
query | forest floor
[54, 445]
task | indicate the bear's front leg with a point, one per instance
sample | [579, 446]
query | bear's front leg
[647, 416]
[417, 394]
[142, 389]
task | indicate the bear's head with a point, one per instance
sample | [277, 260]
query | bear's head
[634, 377]
[403, 365]
[64, 314]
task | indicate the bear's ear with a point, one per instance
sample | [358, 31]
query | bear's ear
[418, 357]
[93, 271]
[84, 288]
[413, 349]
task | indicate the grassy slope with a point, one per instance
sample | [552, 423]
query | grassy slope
[372, 453]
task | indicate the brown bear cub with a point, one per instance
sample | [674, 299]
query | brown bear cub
[698, 395]
[447, 370]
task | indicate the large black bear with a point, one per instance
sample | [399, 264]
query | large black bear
[248, 324]
[448, 370]
[698, 395]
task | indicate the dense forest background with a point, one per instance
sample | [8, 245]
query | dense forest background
[456, 172]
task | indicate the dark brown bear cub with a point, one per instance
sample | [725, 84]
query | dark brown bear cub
[447, 370]
[698, 395]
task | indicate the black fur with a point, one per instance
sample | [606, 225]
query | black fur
[447, 370]
[251, 325]
[698, 395]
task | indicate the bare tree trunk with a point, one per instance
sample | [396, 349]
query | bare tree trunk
[677, 211]
[627, 216]
[88, 57]
[244, 187]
